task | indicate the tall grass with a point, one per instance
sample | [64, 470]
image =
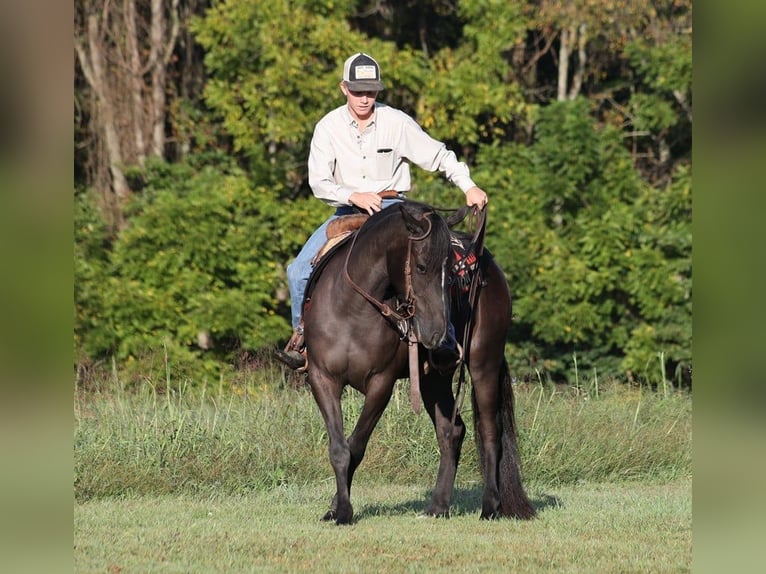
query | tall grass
[168, 438]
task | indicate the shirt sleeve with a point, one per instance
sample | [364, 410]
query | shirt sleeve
[432, 155]
[321, 165]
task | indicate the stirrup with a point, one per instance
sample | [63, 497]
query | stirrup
[444, 358]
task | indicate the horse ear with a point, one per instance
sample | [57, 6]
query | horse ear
[413, 219]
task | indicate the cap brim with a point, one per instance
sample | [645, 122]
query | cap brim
[365, 86]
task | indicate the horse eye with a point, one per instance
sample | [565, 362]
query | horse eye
[420, 268]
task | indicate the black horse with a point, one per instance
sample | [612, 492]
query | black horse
[392, 280]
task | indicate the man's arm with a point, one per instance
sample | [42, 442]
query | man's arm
[432, 155]
[321, 164]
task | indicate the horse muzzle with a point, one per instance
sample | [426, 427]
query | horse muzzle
[431, 338]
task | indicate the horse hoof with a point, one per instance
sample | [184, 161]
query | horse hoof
[330, 515]
[437, 513]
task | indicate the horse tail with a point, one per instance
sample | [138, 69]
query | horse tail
[513, 499]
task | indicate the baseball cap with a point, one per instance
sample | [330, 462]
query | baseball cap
[361, 73]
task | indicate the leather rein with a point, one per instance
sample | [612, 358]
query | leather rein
[401, 316]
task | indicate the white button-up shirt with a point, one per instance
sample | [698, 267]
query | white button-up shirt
[344, 160]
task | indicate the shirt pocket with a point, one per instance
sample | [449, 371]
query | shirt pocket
[385, 161]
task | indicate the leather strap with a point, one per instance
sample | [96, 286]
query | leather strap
[412, 344]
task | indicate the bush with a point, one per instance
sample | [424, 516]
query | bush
[598, 261]
[197, 274]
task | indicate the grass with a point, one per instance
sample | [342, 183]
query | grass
[625, 527]
[145, 442]
[170, 479]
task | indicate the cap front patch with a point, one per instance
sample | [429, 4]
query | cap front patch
[364, 72]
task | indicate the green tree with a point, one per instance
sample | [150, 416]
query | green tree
[598, 261]
[590, 195]
[274, 69]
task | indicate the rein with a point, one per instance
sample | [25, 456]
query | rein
[406, 310]
[477, 244]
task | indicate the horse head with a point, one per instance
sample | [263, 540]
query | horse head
[426, 271]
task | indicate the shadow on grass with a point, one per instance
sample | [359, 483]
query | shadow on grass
[465, 501]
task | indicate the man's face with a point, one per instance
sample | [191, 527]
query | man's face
[361, 104]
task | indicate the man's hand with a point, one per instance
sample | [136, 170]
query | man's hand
[476, 197]
[368, 201]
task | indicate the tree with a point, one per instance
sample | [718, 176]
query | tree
[599, 261]
[576, 117]
[195, 272]
[123, 50]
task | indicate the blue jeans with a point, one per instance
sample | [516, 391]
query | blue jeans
[299, 270]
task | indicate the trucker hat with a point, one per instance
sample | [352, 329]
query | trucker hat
[361, 73]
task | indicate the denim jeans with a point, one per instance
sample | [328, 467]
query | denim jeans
[299, 270]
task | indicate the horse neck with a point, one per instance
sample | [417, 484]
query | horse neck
[377, 261]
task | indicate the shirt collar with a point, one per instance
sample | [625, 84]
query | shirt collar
[352, 122]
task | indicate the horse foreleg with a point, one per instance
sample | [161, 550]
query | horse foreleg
[377, 395]
[439, 404]
[327, 397]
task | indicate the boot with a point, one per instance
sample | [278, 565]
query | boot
[294, 353]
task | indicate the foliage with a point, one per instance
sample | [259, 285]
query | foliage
[275, 69]
[91, 263]
[590, 208]
[467, 97]
[195, 271]
[598, 261]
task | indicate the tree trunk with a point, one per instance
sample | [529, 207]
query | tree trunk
[564, 51]
[124, 48]
[93, 69]
[157, 62]
[135, 80]
[582, 58]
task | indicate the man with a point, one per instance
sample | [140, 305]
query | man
[358, 150]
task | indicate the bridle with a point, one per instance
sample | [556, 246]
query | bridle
[405, 310]
[400, 317]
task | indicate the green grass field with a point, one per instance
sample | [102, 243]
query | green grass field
[181, 481]
[627, 527]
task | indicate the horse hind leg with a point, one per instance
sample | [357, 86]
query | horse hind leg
[493, 403]
[488, 447]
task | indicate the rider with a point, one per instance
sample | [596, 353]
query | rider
[358, 150]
